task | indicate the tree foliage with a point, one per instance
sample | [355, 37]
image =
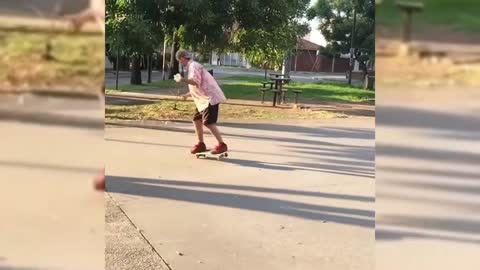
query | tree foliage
[264, 30]
[336, 20]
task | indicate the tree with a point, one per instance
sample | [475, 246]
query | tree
[336, 20]
[130, 33]
[268, 30]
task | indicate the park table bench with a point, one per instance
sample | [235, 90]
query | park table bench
[277, 75]
[264, 90]
[408, 8]
[279, 86]
[296, 92]
[265, 84]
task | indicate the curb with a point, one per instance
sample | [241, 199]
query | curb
[52, 119]
[52, 93]
[150, 124]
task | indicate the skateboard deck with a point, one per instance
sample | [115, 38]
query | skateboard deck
[207, 153]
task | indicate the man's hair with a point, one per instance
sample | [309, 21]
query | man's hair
[182, 53]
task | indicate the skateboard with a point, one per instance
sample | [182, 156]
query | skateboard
[207, 153]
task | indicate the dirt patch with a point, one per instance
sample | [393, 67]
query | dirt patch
[426, 64]
[74, 63]
[171, 110]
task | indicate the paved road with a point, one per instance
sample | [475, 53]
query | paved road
[50, 216]
[427, 156]
[290, 196]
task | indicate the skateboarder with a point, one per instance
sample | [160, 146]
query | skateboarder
[207, 95]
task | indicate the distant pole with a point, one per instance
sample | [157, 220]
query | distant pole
[117, 68]
[163, 61]
[352, 49]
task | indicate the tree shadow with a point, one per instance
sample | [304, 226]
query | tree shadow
[48, 167]
[442, 124]
[397, 235]
[327, 132]
[51, 119]
[443, 192]
[292, 140]
[157, 189]
[322, 164]
[266, 190]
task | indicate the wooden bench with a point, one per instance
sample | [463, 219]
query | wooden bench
[296, 92]
[408, 8]
[275, 94]
[265, 84]
[264, 90]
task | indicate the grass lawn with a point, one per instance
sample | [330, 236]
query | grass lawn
[246, 87]
[171, 110]
[78, 61]
[457, 15]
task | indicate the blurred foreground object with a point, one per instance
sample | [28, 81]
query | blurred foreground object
[427, 143]
[95, 12]
[51, 149]
[408, 8]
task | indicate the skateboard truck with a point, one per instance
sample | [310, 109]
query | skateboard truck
[207, 153]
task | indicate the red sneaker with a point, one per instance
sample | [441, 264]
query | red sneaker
[221, 148]
[199, 147]
[99, 182]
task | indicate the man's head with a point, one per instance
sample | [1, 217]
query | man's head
[183, 56]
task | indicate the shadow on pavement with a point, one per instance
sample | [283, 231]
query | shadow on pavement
[51, 119]
[158, 189]
[327, 132]
[267, 190]
[359, 168]
[441, 124]
[445, 193]
[40, 166]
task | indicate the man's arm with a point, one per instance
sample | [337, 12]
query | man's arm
[191, 82]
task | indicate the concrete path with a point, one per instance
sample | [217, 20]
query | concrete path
[296, 195]
[51, 218]
[427, 156]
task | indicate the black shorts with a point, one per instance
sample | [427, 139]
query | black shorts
[208, 116]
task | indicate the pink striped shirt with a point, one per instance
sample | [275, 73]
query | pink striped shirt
[209, 91]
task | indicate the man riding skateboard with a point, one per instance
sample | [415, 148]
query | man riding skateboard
[207, 95]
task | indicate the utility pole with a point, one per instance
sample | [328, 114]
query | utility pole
[352, 49]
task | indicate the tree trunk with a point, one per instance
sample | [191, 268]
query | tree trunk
[164, 59]
[136, 77]
[117, 68]
[149, 66]
[173, 62]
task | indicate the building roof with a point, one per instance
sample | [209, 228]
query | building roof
[307, 45]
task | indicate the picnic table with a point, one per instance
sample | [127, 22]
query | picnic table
[279, 88]
[277, 75]
[408, 8]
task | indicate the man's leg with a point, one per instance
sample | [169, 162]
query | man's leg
[222, 146]
[214, 129]
[198, 129]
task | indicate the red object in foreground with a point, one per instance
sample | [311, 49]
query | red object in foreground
[99, 182]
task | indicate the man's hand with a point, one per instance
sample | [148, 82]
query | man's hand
[178, 78]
